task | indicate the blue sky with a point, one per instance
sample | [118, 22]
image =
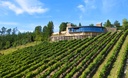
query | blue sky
[27, 14]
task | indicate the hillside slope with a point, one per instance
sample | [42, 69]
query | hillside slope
[67, 59]
[13, 49]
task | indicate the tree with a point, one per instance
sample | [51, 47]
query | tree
[14, 30]
[116, 23]
[73, 25]
[45, 29]
[0, 32]
[7, 45]
[45, 33]
[1, 45]
[80, 25]
[8, 31]
[63, 26]
[125, 24]
[50, 28]
[108, 24]
[3, 30]
[14, 44]
[38, 33]
[91, 24]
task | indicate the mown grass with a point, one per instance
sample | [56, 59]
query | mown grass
[12, 49]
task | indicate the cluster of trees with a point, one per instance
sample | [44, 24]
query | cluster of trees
[109, 24]
[125, 24]
[91, 24]
[10, 38]
[13, 37]
[117, 24]
[5, 31]
[63, 26]
[45, 33]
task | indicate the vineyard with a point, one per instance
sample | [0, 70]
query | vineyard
[103, 56]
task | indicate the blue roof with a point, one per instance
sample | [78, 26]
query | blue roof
[86, 29]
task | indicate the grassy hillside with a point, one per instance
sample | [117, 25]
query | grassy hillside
[99, 57]
[13, 49]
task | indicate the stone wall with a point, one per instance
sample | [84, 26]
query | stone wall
[110, 29]
[72, 36]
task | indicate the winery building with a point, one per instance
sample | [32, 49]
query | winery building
[80, 32]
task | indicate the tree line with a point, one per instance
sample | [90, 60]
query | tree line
[108, 23]
[116, 24]
[13, 37]
[10, 38]
[5, 31]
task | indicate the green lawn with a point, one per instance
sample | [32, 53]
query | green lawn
[12, 49]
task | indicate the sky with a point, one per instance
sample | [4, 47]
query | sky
[27, 14]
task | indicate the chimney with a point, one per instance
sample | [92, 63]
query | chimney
[69, 25]
[99, 24]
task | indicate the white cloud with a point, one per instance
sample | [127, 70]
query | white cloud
[28, 6]
[31, 6]
[12, 7]
[81, 7]
[8, 23]
[87, 5]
